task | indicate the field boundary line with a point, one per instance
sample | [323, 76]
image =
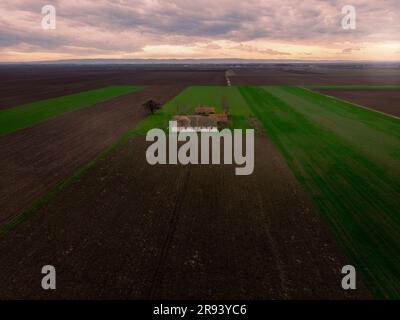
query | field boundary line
[12, 222]
[355, 104]
[393, 86]
[40, 110]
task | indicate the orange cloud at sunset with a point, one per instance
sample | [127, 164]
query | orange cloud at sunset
[254, 29]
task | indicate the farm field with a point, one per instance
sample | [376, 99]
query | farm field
[324, 193]
[349, 162]
[380, 98]
[24, 84]
[36, 159]
[198, 232]
[194, 96]
[356, 86]
[305, 74]
[20, 117]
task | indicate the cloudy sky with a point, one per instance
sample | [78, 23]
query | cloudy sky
[259, 29]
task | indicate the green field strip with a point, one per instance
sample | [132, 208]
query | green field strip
[9, 225]
[41, 202]
[354, 86]
[17, 118]
[355, 189]
[192, 97]
[375, 134]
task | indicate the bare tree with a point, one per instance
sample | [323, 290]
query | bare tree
[151, 105]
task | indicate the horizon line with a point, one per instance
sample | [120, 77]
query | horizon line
[182, 60]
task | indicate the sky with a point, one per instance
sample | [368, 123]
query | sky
[249, 29]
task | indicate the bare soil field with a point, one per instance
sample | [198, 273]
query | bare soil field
[23, 84]
[125, 229]
[314, 75]
[382, 100]
[35, 159]
[20, 84]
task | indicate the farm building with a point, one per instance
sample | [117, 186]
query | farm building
[195, 121]
[204, 110]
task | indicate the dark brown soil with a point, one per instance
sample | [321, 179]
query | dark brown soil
[23, 84]
[20, 84]
[35, 159]
[314, 75]
[126, 229]
[382, 100]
